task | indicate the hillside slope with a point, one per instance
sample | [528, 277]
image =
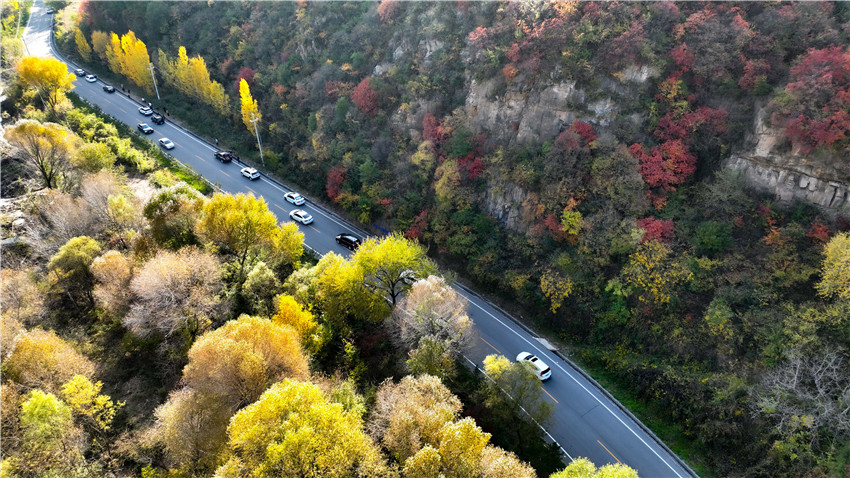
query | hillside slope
[569, 157]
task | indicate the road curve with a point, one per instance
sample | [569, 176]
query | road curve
[586, 422]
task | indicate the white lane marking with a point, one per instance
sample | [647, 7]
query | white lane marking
[557, 364]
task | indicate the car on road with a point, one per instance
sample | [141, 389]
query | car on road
[80, 72]
[157, 118]
[295, 198]
[144, 128]
[540, 369]
[225, 156]
[250, 173]
[109, 89]
[301, 216]
[49, 11]
[348, 241]
[166, 143]
[91, 78]
[145, 110]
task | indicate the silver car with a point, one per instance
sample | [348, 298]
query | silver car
[301, 216]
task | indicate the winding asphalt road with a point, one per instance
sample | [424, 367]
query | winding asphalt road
[587, 421]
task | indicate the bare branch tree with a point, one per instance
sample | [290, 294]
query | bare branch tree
[175, 291]
[432, 309]
[814, 390]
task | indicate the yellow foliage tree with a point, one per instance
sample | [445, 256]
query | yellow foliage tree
[388, 264]
[83, 46]
[100, 44]
[250, 111]
[341, 294]
[84, 397]
[192, 78]
[291, 313]
[134, 60]
[48, 146]
[47, 75]
[835, 278]
[556, 287]
[654, 274]
[583, 468]
[50, 444]
[240, 359]
[114, 54]
[240, 222]
[128, 56]
[43, 360]
[192, 427]
[294, 430]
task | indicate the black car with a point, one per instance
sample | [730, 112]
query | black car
[144, 128]
[226, 156]
[348, 241]
[157, 118]
[109, 89]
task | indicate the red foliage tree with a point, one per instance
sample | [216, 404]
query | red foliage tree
[420, 223]
[667, 165]
[568, 140]
[248, 74]
[819, 232]
[432, 130]
[754, 71]
[365, 97]
[819, 91]
[336, 176]
[656, 229]
[584, 130]
[683, 57]
[554, 227]
[387, 10]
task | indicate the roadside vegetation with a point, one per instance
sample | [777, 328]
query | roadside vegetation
[151, 327]
[721, 315]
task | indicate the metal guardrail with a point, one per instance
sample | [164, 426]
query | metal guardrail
[466, 288]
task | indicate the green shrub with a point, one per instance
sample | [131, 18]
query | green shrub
[712, 237]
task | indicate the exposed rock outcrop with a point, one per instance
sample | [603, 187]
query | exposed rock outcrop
[790, 182]
[790, 176]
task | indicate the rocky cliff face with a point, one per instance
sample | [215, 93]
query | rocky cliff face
[536, 114]
[530, 113]
[790, 176]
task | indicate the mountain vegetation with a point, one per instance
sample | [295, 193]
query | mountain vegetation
[564, 156]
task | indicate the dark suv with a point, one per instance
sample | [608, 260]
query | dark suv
[225, 156]
[157, 118]
[348, 241]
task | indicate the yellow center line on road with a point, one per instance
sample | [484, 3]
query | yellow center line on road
[491, 345]
[313, 228]
[556, 401]
[222, 172]
[609, 452]
[203, 159]
[282, 209]
[255, 192]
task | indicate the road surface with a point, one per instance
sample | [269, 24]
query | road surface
[586, 421]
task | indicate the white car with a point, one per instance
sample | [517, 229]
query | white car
[536, 365]
[250, 173]
[145, 110]
[166, 143]
[91, 78]
[295, 198]
[301, 216]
